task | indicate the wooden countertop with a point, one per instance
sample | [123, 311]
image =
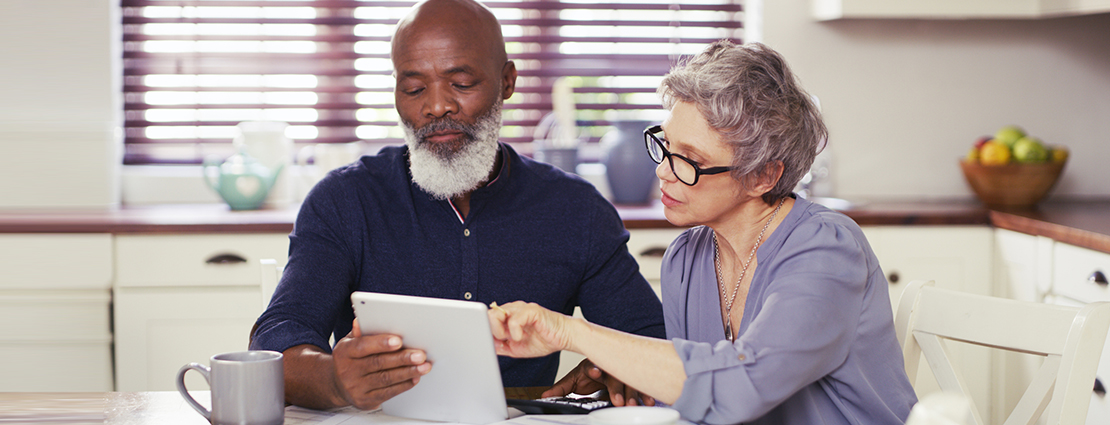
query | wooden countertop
[1082, 223]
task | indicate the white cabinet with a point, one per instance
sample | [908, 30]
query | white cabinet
[1023, 271]
[954, 9]
[956, 257]
[1074, 281]
[1074, 271]
[1038, 269]
[183, 298]
[55, 300]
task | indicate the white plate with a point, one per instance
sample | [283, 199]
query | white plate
[637, 415]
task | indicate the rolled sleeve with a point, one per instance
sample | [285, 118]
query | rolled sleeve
[312, 299]
[707, 369]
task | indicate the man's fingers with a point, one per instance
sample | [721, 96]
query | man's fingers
[594, 372]
[631, 396]
[563, 387]
[370, 345]
[372, 398]
[374, 379]
[387, 361]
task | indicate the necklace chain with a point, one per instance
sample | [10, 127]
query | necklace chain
[743, 271]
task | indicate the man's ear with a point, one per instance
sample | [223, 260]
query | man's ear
[508, 80]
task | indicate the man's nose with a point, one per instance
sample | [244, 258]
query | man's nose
[440, 102]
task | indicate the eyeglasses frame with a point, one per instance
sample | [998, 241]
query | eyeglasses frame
[649, 137]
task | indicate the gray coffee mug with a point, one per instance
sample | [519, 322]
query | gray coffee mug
[248, 388]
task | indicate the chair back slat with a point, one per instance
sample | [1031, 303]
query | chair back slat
[999, 322]
[1037, 396]
[948, 376]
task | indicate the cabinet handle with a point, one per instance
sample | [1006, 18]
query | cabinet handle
[653, 252]
[1098, 277]
[893, 277]
[1099, 388]
[225, 259]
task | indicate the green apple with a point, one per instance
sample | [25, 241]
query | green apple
[1008, 135]
[1029, 149]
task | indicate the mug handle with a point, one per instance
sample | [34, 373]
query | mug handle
[204, 370]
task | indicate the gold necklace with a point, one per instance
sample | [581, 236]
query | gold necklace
[744, 270]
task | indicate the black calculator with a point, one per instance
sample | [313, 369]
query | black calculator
[559, 405]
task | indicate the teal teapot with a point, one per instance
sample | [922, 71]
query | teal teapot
[241, 181]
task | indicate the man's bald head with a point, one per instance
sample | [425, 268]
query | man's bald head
[466, 21]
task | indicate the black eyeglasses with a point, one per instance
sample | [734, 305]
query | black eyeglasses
[685, 170]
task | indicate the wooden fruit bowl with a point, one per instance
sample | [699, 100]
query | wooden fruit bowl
[1017, 186]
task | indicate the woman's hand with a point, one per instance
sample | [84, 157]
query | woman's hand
[528, 330]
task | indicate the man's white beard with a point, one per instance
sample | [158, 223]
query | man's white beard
[445, 172]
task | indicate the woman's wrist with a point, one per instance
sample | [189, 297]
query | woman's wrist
[578, 331]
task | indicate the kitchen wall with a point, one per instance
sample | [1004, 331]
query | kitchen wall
[60, 104]
[903, 98]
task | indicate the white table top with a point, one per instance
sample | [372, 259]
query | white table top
[168, 408]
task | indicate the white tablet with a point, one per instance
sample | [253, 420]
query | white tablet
[464, 384]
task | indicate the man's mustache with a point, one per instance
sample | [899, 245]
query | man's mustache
[444, 124]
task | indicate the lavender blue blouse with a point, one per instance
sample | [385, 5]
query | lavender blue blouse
[816, 344]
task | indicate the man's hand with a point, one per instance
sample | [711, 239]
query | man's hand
[588, 379]
[371, 369]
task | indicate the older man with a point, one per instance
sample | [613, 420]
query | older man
[453, 214]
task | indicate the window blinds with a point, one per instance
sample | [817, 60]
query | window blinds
[193, 69]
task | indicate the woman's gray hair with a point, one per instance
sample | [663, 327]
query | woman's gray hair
[751, 98]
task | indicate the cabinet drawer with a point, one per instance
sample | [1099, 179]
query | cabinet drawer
[648, 246]
[195, 260]
[55, 316]
[56, 366]
[55, 340]
[56, 261]
[1071, 269]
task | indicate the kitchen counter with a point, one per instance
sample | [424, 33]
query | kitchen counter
[1080, 223]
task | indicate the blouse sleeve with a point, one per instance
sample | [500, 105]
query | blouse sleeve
[803, 327]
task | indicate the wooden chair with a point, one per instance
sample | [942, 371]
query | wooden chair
[1070, 338]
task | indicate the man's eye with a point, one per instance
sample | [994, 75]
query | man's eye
[463, 86]
[412, 91]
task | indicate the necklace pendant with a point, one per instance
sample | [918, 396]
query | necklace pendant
[728, 329]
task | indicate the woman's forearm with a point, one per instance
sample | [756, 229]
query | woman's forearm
[649, 365]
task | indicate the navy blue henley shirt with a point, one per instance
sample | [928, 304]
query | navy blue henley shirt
[534, 233]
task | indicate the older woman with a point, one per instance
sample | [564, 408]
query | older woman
[776, 308]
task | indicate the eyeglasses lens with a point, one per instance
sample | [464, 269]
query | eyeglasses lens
[685, 171]
[655, 149]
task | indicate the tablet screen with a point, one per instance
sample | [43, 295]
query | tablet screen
[464, 384]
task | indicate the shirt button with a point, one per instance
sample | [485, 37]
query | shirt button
[468, 296]
[466, 232]
[741, 357]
